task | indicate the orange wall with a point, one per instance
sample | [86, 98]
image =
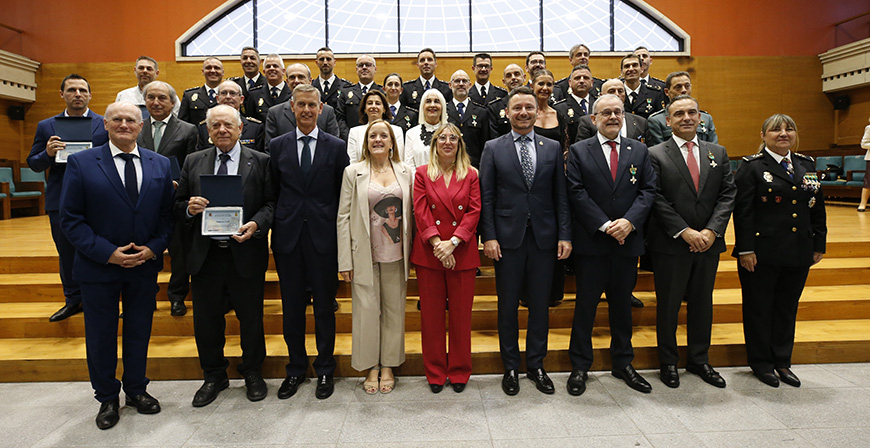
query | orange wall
[111, 31]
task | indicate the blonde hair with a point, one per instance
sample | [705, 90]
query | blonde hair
[367, 155]
[776, 121]
[461, 164]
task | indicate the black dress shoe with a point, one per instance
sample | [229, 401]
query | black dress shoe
[670, 376]
[788, 377]
[108, 415]
[510, 384]
[334, 305]
[64, 312]
[632, 378]
[577, 382]
[325, 387]
[256, 386]
[145, 404]
[635, 302]
[436, 388]
[458, 387]
[706, 372]
[289, 386]
[524, 303]
[767, 378]
[178, 308]
[555, 303]
[208, 392]
[541, 380]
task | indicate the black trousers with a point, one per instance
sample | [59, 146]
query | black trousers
[615, 276]
[305, 266]
[217, 282]
[66, 254]
[770, 303]
[179, 279]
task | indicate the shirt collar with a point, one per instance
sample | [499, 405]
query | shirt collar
[681, 142]
[464, 103]
[603, 140]
[313, 133]
[255, 78]
[778, 157]
[330, 80]
[280, 86]
[115, 150]
[515, 135]
[367, 86]
[234, 153]
[66, 112]
[431, 81]
[165, 120]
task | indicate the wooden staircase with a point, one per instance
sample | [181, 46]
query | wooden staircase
[833, 318]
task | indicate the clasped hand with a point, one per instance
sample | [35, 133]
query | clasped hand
[131, 260]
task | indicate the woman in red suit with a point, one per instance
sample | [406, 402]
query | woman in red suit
[445, 254]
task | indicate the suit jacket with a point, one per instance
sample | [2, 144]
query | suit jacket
[281, 120]
[678, 206]
[259, 100]
[194, 104]
[335, 90]
[312, 199]
[494, 93]
[779, 218]
[39, 161]
[446, 211]
[498, 121]
[413, 91]
[596, 198]
[97, 216]
[251, 257]
[347, 111]
[354, 221]
[508, 205]
[253, 135]
[650, 98]
[474, 127]
[659, 130]
[635, 128]
[179, 139]
[405, 118]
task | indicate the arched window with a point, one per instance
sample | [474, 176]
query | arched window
[292, 27]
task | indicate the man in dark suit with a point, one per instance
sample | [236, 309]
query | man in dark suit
[250, 60]
[76, 93]
[196, 100]
[676, 84]
[499, 124]
[577, 102]
[646, 61]
[426, 63]
[641, 98]
[468, 116]
[116, 209]
[170, 137]
[348, 102]
[694, 199]
[611, 186]
[525, 226]
[253, 131]
[275, 91]
[577, 55]
[228, 268]
[633, 126]
[331, 87]
[281, 119]
[483, 91]
[307, 168]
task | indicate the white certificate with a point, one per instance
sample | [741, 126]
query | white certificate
[69, 149]
[221, 221]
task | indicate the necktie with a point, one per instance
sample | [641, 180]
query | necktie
[211, 95]
[461, 109]
[305, 163]
[274, 92]
[483, 92]
[786, 165]
[583, 106]
[428, 86]
[365, 90]
[130, 183]
[693, 164]
[325, 86]
[632, 97]
[393, 113]
[158, 134]
[222, 170]
[250, 84]
[614, 159]
[526, 161]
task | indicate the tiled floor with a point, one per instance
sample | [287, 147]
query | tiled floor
[829, 410]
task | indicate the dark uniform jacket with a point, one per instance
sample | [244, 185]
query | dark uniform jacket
[240, 80]
[335, 90]
[649, 99]
[347, 111]
[413, 92]
[194, 104]
[405, 118]
[253, 135]
[571, 109]
[498, 121]
[495, 92]
[259, 100]
[474, 126]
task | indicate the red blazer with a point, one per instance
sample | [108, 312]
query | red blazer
[446, 212]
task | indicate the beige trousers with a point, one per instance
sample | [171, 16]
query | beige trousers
[379, 318]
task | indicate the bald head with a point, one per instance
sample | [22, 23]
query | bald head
[614, 87]
[514, 77]
[459, 84]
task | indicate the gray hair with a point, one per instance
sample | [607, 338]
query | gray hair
[305, 88]
[119, 104]
[156, 83]
[437, 94]
[597, 104]
[209, 116]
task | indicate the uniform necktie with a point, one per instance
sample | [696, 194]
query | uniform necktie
[222, 170]
[693, 164]
[614, 159]
[365, 90]
[211, 95]
[393, 113]
[130, 183]
[305, 163]
[158, 134]
[786, 165]
[583, 106]
[632, 97]
[428, 86]
[483, 92]
[274, 92]
[526, 161]
[250, 84]
[461, 109]
[325, 86]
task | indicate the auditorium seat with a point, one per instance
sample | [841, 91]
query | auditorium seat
[854, 168]
[28, 195]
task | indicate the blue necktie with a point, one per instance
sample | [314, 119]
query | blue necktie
[428, 86]
[461, 109]
[526, 161]
[393, 113]
[786, 165]
[305, 163]
[211, 95]
[583, 106]
[250, 84]
[222, 170]
[130, 183]
[274, 92]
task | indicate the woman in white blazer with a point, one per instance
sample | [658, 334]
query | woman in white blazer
[374, 234]
[433, 114]
[372, 107]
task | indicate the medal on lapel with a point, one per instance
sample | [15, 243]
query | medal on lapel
[649, 105]
[712, 159]
[812, 202]
[474, 120]
[633, 171]
[571, 113]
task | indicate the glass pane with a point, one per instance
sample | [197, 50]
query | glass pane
[441, 26]
[290, 26]
[571, 22]
[634, 29]
[506, 25]
[225, 36]
[364, 26]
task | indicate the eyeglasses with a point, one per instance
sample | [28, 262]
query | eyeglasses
[461, 81]
[445, 138]
[483, 66]
[365, 65]
[607, 113]
[228, 93]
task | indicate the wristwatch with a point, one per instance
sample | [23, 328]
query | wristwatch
[455, 241]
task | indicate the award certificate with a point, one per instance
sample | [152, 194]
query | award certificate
[221, 221]
[69, 149]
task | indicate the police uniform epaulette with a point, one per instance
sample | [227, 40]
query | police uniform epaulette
[704, 112]
[653, 87]
[253, 119]
[192, 89]
[499, 88]
[653, 77]
[560, 101]
[203, 121]
[259, 87]
[562, 80]
[660, 111]
[752, 157]
[805, 157]
[408, 83]
[234, 78]
[475, 102]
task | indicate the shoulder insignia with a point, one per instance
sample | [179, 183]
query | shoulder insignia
[653, 87]
[234, 78]
[704, 112]
[408, 83]
[492, 102]
[471, 101]
[752, 157]
[500, 88]
[203, 121]
[252, 119]
[191, 89]
[559, 101]
[259, 87]
[805, 157]
[658, 112]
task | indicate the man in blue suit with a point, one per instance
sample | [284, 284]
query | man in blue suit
[76, 92]
[526, 226]
[116, 210]
[611, 186]
[307, 168]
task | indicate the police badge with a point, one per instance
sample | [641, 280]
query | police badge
[414, 95]
[767, 176]
[194, 97]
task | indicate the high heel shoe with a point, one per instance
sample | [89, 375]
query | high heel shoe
[370, 386]
[388, 383]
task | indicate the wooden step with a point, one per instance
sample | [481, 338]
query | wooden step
[174, 357]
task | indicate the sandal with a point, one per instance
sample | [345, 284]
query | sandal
[387, 384]
[370, 386]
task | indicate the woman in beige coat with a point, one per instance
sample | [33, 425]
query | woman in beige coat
[374, 234]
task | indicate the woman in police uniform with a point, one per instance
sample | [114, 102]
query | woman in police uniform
[779, 224]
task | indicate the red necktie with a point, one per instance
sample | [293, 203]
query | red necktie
[614, 159]
[693, 164]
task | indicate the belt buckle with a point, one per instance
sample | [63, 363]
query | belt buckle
[223, 244]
